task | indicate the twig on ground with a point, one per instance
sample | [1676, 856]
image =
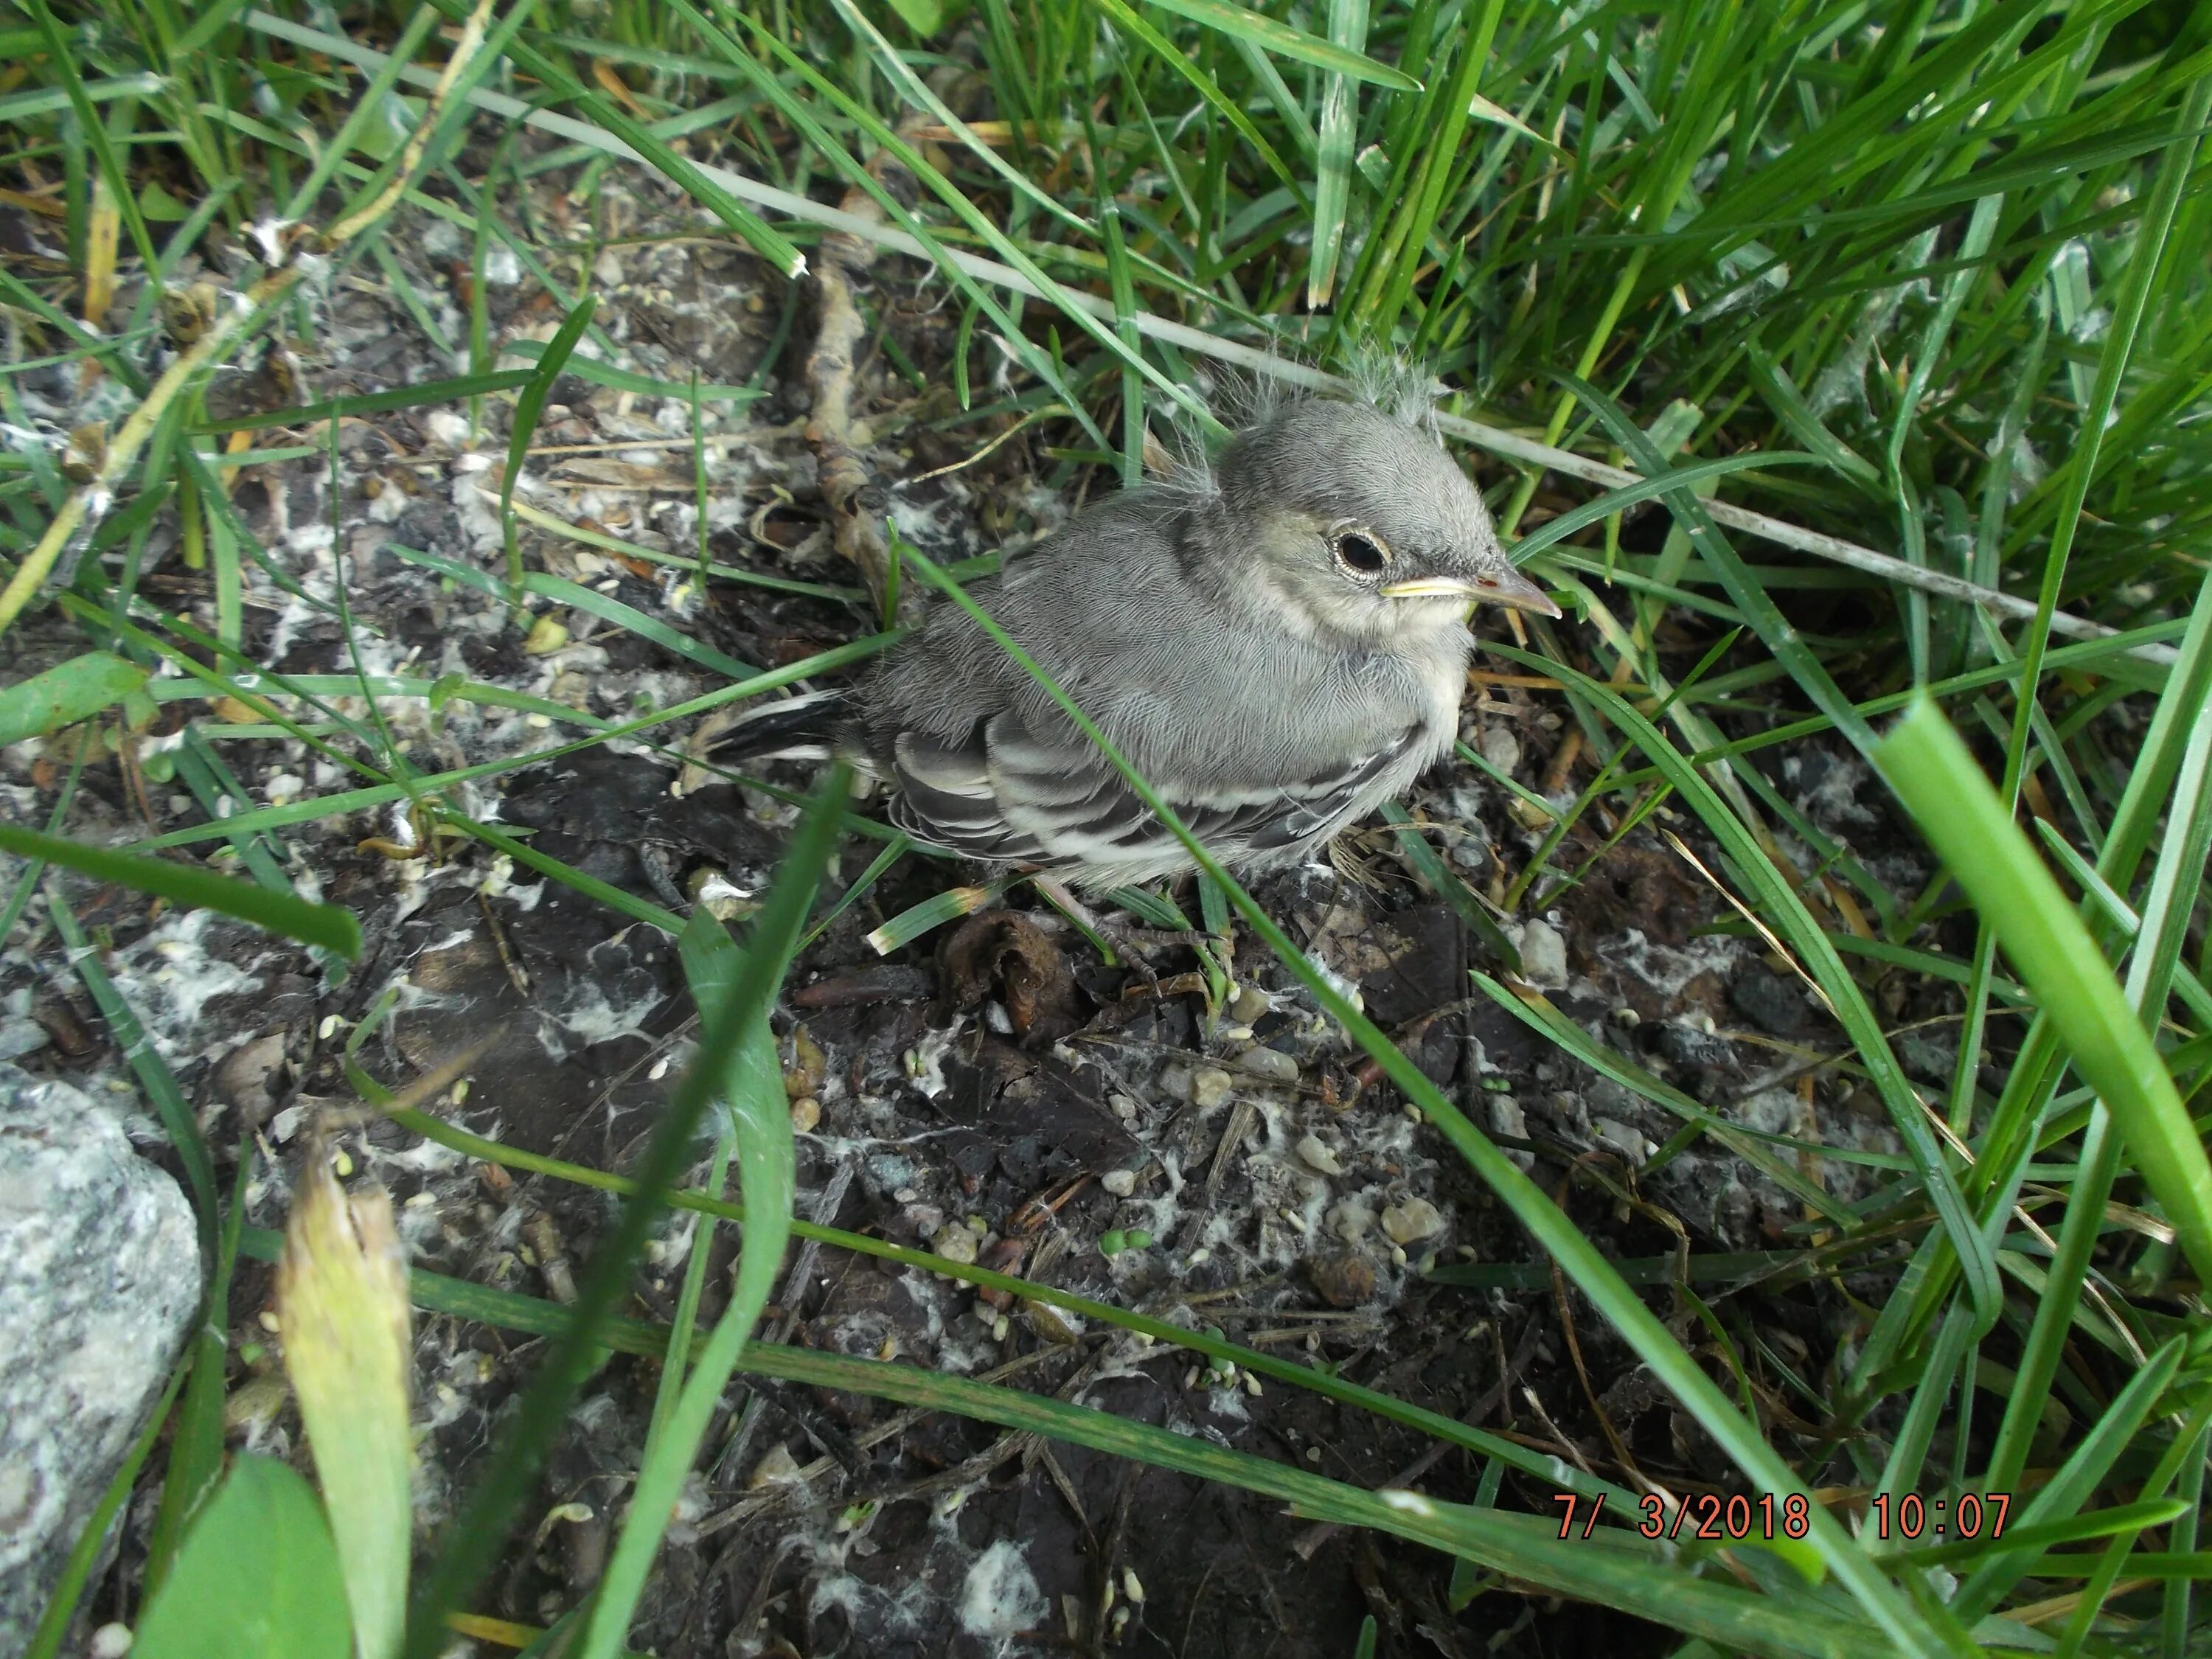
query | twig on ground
[846, 478]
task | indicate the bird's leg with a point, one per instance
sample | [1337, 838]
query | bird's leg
[1129, 940]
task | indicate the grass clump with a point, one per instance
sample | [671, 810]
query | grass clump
[1835, 362]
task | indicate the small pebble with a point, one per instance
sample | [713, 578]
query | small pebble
[1209, 1087]
[1250, 1004]
[1501, 748]
[1313, 1453]
[1315, 1152]
[1176, 1082]
[110, 1642]
[1628, 1142]
[956, 1244]
[1271, 1063]
[1120, 1182]
[805, 1113]
[1410, 1221]
[1343, 1278]
[778, 1465]
[1543, 956]
[1506, 1118]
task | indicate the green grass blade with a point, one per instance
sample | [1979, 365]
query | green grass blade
[2053, 955]
[477, 1531]
[1339, 135]
[2068, 1490]
[375, 403]
[1265, 33]
[65, 694]
[527, 407]
[330, 925]
[721, 976]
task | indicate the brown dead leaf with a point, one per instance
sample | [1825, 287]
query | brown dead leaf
[1001, 950]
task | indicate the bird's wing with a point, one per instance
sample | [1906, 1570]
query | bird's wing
[1006, 794]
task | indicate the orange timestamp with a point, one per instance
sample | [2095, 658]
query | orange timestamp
[1709, 1517]
[1738, 1519]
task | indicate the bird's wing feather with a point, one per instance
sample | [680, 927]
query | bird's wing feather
[1006, 793]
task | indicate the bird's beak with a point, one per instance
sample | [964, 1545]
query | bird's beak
[1510, 588]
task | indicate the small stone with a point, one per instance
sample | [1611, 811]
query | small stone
[109, 1642]
[1628, 1142]
[1315, 1152]
[1270, 1063]
[1543, 956]
[1120, 1182]
[778, 1465]
[805, 1113]
[547, 634]
[1501, 748]
[1508, 1119]
[956, 1243]
[1344, 1278]
[1350, 1220]
[1251, 1003]
[1209, 1087]
[1528, 814]
[1175, 1082]
[1411, 1219]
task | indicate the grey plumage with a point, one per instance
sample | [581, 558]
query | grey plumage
[1277, 642]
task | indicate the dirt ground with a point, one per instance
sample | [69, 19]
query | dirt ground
[1272, 1187]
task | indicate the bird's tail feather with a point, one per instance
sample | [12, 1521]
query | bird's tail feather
[805, 727]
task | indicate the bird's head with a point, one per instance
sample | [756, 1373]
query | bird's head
[1362, 523]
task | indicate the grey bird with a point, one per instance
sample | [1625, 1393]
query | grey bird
[1277, 641]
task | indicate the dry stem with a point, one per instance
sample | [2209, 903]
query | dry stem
[843, 258]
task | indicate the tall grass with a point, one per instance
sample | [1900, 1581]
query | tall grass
[1902, 314]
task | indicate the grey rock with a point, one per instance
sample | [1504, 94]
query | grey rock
[1410, 1220]
[1501, 748]
[1270, 1063]
[100, 1277]
[1209, 1087]
[1543, 956]
[1769, 1001]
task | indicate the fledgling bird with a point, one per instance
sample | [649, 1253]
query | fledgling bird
[1277, 642]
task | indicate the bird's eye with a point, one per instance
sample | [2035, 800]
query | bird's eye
[1359, 552]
